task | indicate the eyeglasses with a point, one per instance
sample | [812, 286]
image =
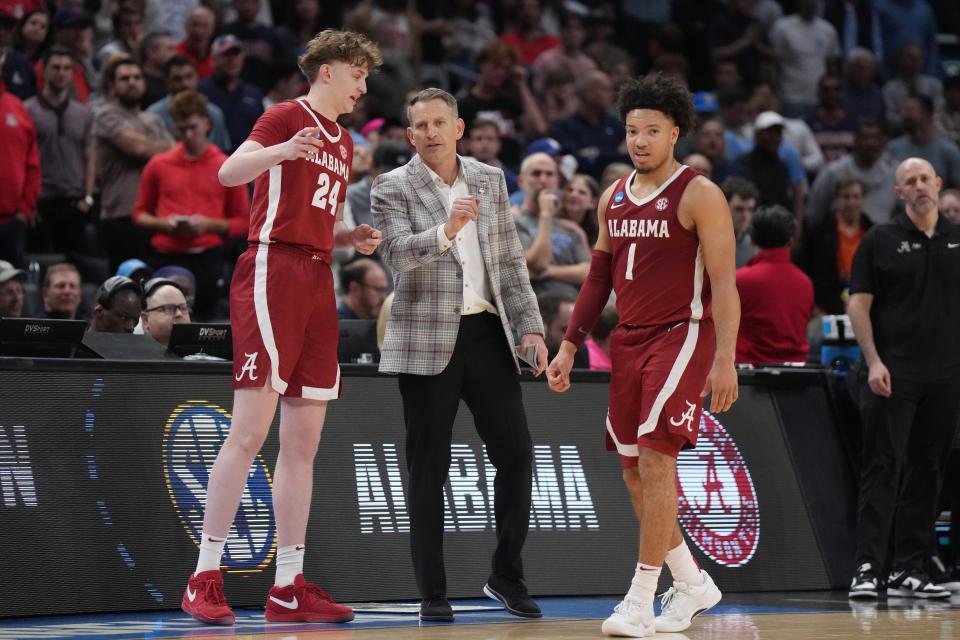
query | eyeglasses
[171, 309]
[380, 290]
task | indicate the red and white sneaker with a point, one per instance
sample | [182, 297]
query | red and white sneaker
[304, 601]
[204, 599]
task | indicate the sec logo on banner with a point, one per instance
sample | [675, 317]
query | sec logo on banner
[192, 438]
[717, 505]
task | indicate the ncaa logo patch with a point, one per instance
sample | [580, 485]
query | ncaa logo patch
[618, 197]
[662, 204]
[717, 504]
[192, 437]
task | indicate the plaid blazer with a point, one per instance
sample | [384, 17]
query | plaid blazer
[425, 318]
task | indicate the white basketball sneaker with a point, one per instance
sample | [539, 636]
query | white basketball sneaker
[630, 619]
[682, 602]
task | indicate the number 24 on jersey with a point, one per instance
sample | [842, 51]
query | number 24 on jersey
[326, 197]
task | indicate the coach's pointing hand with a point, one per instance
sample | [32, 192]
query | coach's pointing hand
[464, 209]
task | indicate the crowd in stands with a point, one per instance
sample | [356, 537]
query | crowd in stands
[117, 114]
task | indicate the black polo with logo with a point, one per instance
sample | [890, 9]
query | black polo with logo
[915, 282]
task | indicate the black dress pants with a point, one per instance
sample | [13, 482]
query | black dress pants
[906, 441]
[482, 373]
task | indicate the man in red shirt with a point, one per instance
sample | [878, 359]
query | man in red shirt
[196, 46]
[19, 173]
[528, 36]
[776, 297]
[182, 201]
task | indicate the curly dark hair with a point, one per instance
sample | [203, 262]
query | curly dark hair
[659, 93]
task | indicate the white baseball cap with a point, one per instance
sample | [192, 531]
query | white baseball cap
[768, 119]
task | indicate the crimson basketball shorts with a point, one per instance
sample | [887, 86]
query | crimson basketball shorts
[283, 313]
[655, 383]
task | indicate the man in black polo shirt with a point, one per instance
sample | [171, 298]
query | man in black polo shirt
[905, 310]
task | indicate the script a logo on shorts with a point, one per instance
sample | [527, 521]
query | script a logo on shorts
[192, 437]
[685, 419]
[717, 504]
[249, 367]
[662, 204]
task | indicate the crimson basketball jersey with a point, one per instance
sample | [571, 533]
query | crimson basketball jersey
[295, 202]
[657, 265]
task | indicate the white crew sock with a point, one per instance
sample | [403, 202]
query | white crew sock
[682, 565]
[289, 564]
[643, 587]
[211, 549]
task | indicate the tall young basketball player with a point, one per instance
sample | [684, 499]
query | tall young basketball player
[284, 320]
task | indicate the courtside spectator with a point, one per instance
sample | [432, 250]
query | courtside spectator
[921, 140]
[126, 139]
[11, 290]
[528, 36]
[165, 306]
[483, 143]
[73, 30]
[806, 47]
[388, 155]
[19, 174]
[127, 22]
[862, 96]
[833, 127]
[910, 80]
[67, 157]
[241, 102]
[776, 297]
[869, 164]
[61, 292]
[284, 82]
[501, 94]
[594, 135]
[364, 287]
[260, 42]
[118, 305]
[197, 44]
[156, 49]
[829, 244]
[556, 309]
[948, 119]
[950, 205]
[764, 167]
[578, 206]
[183, 203]
[182, 75]
[741, 197]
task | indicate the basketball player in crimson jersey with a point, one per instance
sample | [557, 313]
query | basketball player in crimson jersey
[284, 320]
[666, 247]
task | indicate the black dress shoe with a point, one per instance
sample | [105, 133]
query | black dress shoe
[513, 595]
[436, 610]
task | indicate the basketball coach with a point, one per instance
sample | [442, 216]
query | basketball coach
[462, 288]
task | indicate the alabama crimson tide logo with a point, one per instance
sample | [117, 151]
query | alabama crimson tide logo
[717, 502]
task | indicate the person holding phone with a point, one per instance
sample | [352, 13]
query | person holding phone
[461, 290]
[183, 203]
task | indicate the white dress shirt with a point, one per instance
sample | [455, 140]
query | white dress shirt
[476, 283]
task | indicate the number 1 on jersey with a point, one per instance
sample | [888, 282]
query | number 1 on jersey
[630, 256]
[324, 195]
